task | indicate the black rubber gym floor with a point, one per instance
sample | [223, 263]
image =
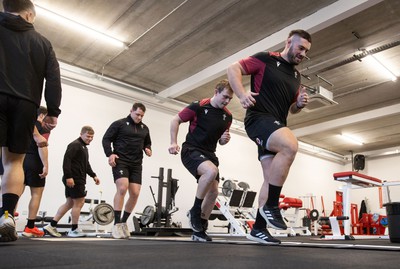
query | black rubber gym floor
[180, 252]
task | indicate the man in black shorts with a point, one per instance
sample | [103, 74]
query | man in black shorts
[210, 121]
[75, 167]
[275, 90]
[129, 137]
[35, 169]
[27, 58]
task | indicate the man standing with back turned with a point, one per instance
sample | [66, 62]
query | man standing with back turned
[275, 90]
[26, 59]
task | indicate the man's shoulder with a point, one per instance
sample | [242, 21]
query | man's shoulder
[267, 56]
[227, 111]
[74, 144]
[119, 121]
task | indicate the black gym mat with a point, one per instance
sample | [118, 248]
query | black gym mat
[180, 252]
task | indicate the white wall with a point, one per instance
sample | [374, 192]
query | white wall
[309, 176]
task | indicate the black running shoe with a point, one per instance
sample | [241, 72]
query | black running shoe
[273, 217]
[195, 221]
[201, 237]
[263, 237]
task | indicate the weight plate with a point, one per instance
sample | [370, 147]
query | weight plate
[103, 214]
[148, 214]
[244, 185]
[314, 214]
[227, 187]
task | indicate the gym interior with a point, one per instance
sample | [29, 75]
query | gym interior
[339, 201]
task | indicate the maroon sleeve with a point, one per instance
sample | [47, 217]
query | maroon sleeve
[189, 112]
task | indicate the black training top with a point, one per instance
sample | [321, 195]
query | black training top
[128, 140]
[26, 59]
[76, 162]
[207, 124]
[276, 81]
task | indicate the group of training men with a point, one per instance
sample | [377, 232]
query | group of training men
[28, 58]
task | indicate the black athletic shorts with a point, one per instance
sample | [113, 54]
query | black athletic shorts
[33, 166]
[17, 118]
[193, 157]
[259, 127]
[78, 191]
[132, 171]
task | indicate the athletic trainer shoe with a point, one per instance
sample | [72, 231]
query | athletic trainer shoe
[201, 237]
[263, 237]
[7, 228]
[194, 221]
[125, 230]
[273, 217]
[32, 232]
[76, 233]
[117, 231]
[51, 230]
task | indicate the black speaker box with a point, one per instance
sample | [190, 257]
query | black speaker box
[359, 162]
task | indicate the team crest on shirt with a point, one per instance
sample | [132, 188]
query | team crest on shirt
[278, 64]
[121, 172]
[142, 126]
[224, 117]
[259, 141]
[205, 111]
[127, 123]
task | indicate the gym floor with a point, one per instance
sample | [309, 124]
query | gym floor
[180, 252]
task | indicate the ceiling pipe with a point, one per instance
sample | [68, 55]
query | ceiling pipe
[356, 57]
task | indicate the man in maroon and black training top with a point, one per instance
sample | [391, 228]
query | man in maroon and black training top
[210, 121]
[275, 90]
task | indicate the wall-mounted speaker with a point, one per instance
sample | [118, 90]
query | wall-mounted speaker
[359, 162]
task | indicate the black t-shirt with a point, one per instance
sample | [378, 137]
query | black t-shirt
[276, 81]
[207, 124]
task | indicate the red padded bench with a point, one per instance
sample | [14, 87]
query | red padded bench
[357, 179]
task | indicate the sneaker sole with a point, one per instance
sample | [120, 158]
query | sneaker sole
[198, 239]
[262, 241]
[191, 225]
[268, 221]
[51, 234]
[29, 235]
[74, 236]
[8, 233]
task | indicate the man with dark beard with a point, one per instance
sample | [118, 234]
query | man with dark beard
[275, 90]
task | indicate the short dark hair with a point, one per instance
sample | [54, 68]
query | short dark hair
[222, 85]
[87, 129]
[42, 110]
[17, 6]
[301, 33]
[138, 105]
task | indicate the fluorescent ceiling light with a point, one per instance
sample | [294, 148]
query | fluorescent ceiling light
[381, 67]
[79, 27]
[352, 139]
